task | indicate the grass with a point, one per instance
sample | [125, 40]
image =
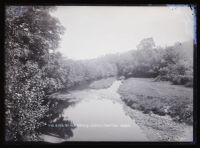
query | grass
[103, 83]
[161, 98]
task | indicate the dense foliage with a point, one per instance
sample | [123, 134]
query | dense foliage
[173, 63]
[28, 42]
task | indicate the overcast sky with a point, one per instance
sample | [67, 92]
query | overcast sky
[93, 31]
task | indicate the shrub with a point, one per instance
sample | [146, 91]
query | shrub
[182, 80]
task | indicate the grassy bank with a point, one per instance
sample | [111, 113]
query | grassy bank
[161, 98]
[103, 83]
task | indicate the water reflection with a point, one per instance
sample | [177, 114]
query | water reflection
[56, 125]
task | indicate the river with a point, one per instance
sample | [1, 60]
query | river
[100, 115]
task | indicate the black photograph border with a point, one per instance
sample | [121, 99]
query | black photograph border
[196, 128]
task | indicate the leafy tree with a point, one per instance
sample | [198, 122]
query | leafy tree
[176, 64]
[147, 43]
[31, 32]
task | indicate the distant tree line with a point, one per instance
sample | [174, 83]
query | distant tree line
[34, 69]
[172, 63]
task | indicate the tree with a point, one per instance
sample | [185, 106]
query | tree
[147, 43]
[31, 32]
[176, 64]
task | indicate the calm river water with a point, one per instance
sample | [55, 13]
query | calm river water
[100, 116]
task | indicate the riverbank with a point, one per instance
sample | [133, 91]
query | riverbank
[163, 111]
[161, 128]
[103, 83]
[69, 95]
[160, 98]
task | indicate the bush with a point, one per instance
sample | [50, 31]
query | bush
[182, 80]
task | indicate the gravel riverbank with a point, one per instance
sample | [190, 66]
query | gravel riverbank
[161, 128]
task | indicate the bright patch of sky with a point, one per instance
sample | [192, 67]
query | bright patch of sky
[93, 31]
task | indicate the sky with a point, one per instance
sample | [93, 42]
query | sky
[93, 31]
